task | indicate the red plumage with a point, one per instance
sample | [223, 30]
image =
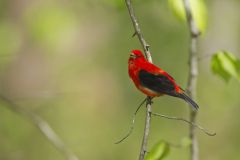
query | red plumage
[152, 80]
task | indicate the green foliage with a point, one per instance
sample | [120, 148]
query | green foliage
[225, 65]
[159, 151]
[198, 8]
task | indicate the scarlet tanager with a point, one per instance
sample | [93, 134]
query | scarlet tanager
[152, 80]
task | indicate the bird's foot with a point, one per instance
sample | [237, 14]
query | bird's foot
[149, 100]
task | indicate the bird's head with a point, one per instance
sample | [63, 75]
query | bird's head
[136, 54]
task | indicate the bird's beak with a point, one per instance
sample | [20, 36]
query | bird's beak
[131, 55]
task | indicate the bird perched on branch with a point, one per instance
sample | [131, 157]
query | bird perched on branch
[152, 80]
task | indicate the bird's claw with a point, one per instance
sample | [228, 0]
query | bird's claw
[149, 100]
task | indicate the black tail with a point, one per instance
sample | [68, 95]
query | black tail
[188, 100]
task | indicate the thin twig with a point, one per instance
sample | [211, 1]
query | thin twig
[146, 129]
[184, 120]
[133, 122]
[149, 58]
[43, 127]
[192, 79]
[137, 32]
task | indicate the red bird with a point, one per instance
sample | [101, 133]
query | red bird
[154, 81]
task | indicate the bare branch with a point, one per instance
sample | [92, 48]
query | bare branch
[146, 130]
[133, 122]
[184, 120]
[138, 30]
[192, 79]
[149, 58]
[43, 127]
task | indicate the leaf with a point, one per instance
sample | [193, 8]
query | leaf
[198, 8]
[159, 151]
[225, 65]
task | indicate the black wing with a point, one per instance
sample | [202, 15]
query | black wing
[158, 83]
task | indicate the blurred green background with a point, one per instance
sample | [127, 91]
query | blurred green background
[66, 60]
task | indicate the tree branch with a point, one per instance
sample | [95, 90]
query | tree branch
[133, 122]
[192, 78]
[138, 31]
[186, 121]
[149, 58]
[43, 127]
[146, 129]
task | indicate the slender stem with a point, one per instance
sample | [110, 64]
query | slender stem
[186, 121]
[133, 122]
[146, 130]
[43, 127]
[149, 58]
[192, 79]
[144, 44]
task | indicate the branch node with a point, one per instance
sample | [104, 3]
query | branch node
[195, 34]
[147, 47]
[134, 34]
